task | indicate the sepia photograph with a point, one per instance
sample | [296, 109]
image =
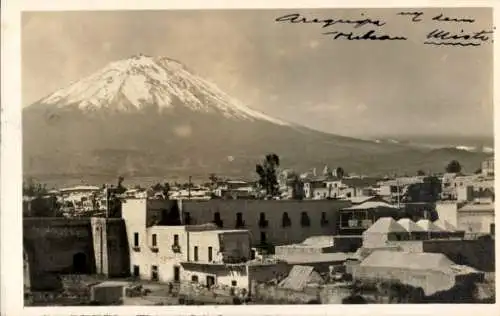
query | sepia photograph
[258, 156]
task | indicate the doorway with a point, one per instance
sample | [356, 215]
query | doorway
[210, 281]
[177, 273]
[79, 263]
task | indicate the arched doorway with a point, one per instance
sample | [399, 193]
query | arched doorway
[79, 263]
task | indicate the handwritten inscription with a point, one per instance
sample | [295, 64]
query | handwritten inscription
[337, 35]
[442, 18]
[435, 37]
[415, 16]
[370, 35]
[297, 18]
[462, 39]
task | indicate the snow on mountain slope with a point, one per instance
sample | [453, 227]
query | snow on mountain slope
[145, 81]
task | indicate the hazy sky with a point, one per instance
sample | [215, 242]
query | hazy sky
[291, 71]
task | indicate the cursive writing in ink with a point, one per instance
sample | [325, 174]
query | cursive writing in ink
[415, 15]
[370, 35]
[442, 18]
[444, 35]
[297, 18]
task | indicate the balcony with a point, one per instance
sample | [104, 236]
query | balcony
[136, 248]
[154, 249]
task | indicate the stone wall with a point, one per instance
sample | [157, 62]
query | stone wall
[62, 245]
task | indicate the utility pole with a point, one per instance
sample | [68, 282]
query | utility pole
[106, 192]
[399, 199]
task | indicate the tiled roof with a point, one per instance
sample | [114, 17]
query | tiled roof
[385, 225]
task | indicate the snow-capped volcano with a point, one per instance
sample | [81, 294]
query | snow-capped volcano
[152, 117]
[140, 81]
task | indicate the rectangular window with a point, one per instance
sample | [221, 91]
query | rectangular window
[176, 240]
[239, 220]
[135, 272]
[233, 283]
[195, 253]
[153, 241]
[210, 254]
[136, 239]
[324, 220]
[194, 278]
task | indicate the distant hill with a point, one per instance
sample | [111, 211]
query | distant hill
[153, 117]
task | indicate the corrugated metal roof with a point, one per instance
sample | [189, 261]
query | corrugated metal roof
[299, 277]
[370, 205]
[408, 260]
[428, 226]
[410, 225]
[385, 225]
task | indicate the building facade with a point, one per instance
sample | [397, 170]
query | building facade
[268, 221]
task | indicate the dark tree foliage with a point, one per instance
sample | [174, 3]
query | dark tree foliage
[420, 173]
[340, 172]
[34, 189]
[268, 179]
[453, 167]
[120, 189]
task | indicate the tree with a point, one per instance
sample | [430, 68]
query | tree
[267, 174]
[157, 187]
[166, 190]
[34, 189]
[120, 189]
[213, 180]
[453, 167]
[420, 173]
[339, 172]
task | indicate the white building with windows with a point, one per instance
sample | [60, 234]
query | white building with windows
[202, 253]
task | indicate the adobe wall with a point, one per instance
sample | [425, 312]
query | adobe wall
[55, 244]
[479, 254]
[67, 245]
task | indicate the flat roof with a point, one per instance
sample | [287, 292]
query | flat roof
[314, 257]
